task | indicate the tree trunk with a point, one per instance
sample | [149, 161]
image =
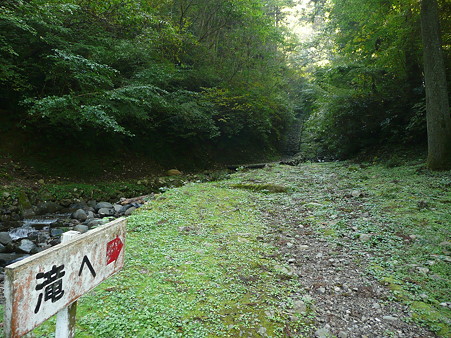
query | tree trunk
[437, 104]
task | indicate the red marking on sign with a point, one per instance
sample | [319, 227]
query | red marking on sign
[113, 249]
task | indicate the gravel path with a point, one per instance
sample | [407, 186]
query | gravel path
[347, 302]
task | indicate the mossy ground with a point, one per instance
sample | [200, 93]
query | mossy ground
[199, 262]
[196, 266]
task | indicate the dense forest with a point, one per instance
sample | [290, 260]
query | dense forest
[214, 79]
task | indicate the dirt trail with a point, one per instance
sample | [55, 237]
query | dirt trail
[347, 301]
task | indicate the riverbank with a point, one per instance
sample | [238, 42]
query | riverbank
[340, 249]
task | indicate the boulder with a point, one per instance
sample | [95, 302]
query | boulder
[56, 232]
[9, 258]
[28, 213]
[103, 212]
[92, 203]
[129, 211]
[96, 222]
[48, 207]
[124, 208]
[103, 205]
[81, 228]
[27, 246]
[5, 238]
[79, 205]
[80, 215]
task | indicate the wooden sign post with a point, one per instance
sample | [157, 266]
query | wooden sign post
[51, 281]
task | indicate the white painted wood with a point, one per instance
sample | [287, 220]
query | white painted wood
[72, 269]
[65, 319]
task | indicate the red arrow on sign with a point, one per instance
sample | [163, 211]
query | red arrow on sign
[113, 249]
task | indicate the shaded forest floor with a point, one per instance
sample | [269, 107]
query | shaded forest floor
[325, 250]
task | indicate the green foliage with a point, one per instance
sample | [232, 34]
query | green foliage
[369, 88]
[143, 68]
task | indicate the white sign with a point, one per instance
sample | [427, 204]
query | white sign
[39, 286]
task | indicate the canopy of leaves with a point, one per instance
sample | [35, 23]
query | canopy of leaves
[191, 70]
[365, 71]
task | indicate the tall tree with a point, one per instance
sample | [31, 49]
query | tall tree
[437, 103]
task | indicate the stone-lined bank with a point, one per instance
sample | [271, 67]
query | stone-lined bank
[33, 219]
[17, 203]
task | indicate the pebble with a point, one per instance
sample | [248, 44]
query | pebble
[390, 318]
[322, 333]
[299, 307]
[290, 245]
[364, 237]
[356, 193]
[303, 247]
[423, 270]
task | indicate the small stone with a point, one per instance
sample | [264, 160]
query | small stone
[80, 215]
[106, 212]
[364, 237]
[389, 318]
[41, 181]
[319, 255]
[96, 222]
[291, 261]
[299, 307]
[27, 213]
[6, 194]
[342, 334]
[322, 290]
[307, 298]
[423, 270]
[356, 193]
[322, 333]
[81, 228]
[129, 211]
[313, 205]
[303, 247]
[262, 331]
[289, 245]
[56, 232]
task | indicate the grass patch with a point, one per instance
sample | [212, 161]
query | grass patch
[195, 267]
